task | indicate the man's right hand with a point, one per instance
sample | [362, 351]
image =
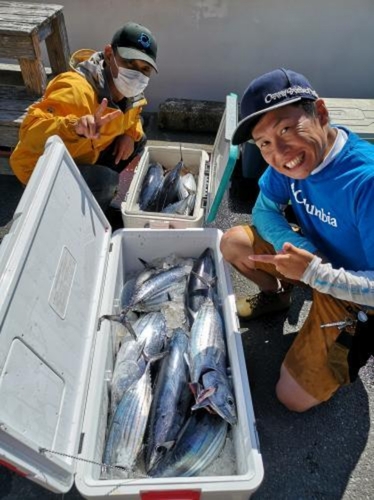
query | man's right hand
[290, 261]
[89, 125]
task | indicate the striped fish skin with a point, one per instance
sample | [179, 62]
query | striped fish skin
[169, 191]
[199, 444]
[156, 284]
[131, 359]
[171, 401]
[159, 300]
[151, 187]
[129, 423]
[207, 344]
[198, 290]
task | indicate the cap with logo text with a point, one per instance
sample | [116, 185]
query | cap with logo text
[134, 41]
[267, 92]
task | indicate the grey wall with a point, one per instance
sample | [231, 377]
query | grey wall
[208, 48]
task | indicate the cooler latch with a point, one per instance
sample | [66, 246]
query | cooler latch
[158, 224]
[205, 192]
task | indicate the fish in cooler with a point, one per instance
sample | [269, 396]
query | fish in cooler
[133, 355]
[200, 442]
[151, 187]
[171, 401]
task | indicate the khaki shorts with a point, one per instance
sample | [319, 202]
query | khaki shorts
[320, 359]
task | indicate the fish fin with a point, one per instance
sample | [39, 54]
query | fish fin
[206, 280]
[158, 356]
[203, 404]
[185, 355]
[205, 394]
[146, 264]
[168, 445]
[130, 328]
[194, 386]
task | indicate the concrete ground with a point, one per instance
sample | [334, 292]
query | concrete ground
[324, 454]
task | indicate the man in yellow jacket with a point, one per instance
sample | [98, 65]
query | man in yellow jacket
[95, 109]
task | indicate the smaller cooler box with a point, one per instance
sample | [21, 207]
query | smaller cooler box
[355, 114]
[61, 269]
[212, 174]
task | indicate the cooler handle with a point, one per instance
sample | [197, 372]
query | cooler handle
[171, 495]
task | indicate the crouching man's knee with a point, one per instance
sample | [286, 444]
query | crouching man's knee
[235, 243]
[290, 393]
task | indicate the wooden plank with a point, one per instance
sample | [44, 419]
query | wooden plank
[33, 71]
[18, 18]
[10, 74]
[14, 102]
[58, 45]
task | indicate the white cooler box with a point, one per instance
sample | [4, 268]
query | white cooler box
[212, 173]
[60, 270]
[355, 114]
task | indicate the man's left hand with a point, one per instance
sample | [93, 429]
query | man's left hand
[123, 148]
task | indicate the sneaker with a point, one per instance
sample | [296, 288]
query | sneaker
[262, 303]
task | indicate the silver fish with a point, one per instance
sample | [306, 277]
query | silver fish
[207, 349]
[201, 283]
[131, 359]
[199, 444]
[157, 283]
[208, 363]
[159, 300]
[169, 191]
[129, 423]
[171, 401]
[186, 185]
[181, 207]
[151, 187]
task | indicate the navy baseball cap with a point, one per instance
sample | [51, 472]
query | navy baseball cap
[267, 92]
[134, 41]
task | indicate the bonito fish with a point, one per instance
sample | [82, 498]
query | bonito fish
[132, 358]
[151, 186]
[129, 423]
[208, 363]
[199, 444]
[169, 191]
[156, 284]
[170, 402]
[200, 283]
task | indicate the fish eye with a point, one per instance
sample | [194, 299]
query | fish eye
[160, 449]
[230, 401]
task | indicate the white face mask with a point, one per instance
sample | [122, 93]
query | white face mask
[129, 82]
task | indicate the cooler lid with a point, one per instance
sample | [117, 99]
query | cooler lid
[52, 264]
[223, 158]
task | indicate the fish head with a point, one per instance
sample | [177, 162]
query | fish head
[217, 394]
[158, 452]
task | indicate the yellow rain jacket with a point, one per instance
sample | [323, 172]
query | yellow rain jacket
[69, 96]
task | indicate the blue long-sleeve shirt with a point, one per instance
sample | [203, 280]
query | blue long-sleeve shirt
[334, 207]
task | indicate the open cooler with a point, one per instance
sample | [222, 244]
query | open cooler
[61, 269]
[212, 173]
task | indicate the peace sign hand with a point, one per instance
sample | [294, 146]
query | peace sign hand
[89, 125]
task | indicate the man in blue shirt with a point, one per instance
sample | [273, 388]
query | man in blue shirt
[327, 174]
